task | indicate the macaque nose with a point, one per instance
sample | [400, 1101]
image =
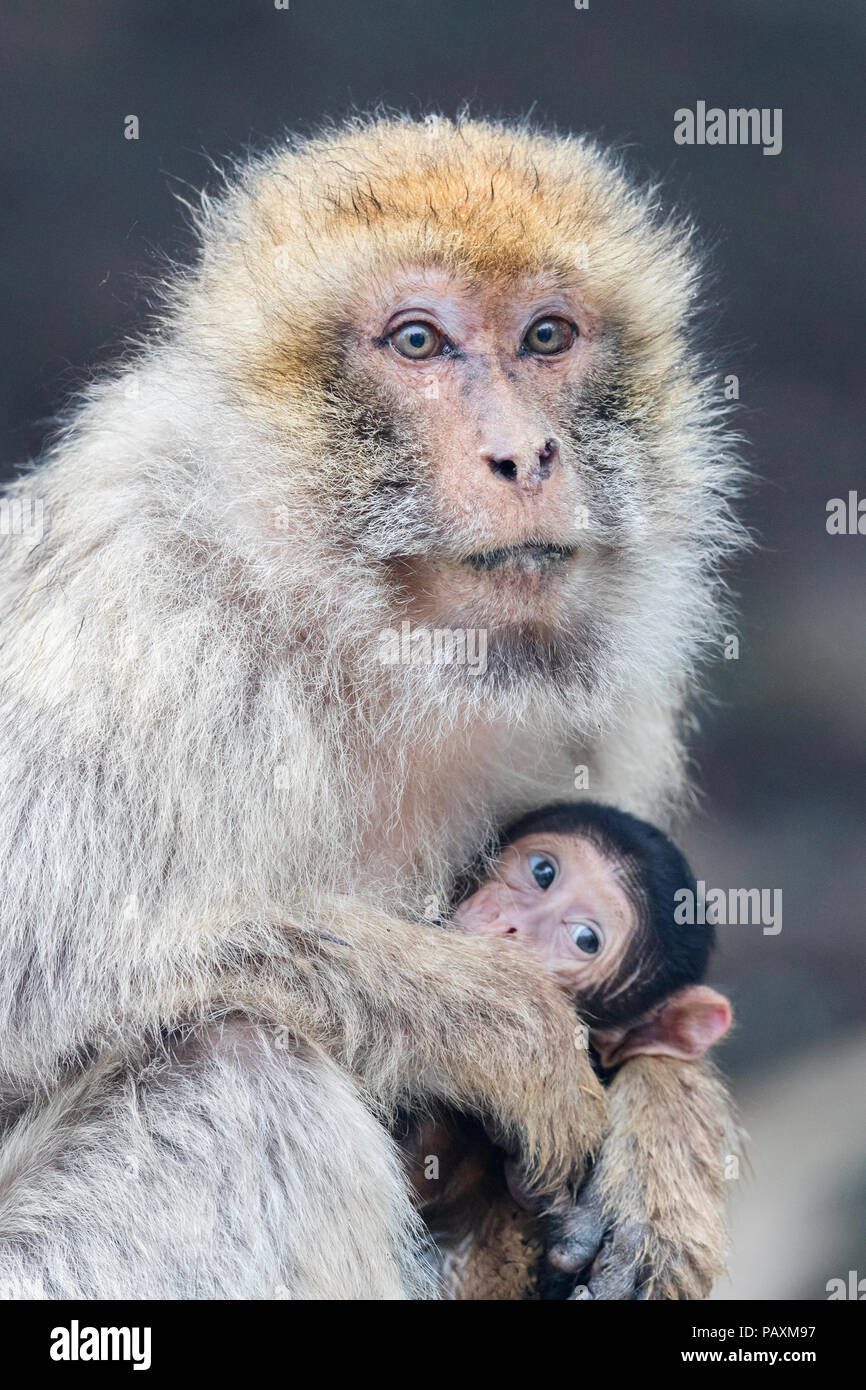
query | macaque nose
[522, 467]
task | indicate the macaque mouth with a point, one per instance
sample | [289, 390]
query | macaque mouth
[522, 557]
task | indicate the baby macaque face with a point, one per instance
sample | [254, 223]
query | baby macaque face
[561, 898]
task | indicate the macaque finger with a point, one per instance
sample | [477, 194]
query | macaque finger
[616, 1272]
[577, 1237]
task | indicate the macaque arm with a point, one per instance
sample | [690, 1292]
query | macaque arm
[415, 1011]
[649, 1223]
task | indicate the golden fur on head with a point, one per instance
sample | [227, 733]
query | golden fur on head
[307, 226]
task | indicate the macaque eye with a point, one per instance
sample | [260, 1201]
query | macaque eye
[550, 335]
[417, 341]
[542, 870]
[586, 938]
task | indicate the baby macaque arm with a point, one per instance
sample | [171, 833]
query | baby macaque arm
[417, 1012]
[649, 1222]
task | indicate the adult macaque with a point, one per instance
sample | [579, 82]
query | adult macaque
[436, 375]
[590, 891]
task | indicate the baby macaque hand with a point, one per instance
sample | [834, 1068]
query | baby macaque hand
[610, 1258]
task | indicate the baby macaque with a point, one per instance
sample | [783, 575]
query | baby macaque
[590, 891]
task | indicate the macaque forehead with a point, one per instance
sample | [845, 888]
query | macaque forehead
[493, 201]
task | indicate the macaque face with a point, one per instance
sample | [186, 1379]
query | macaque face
[484, 373]
[466, 358]
[560, 898]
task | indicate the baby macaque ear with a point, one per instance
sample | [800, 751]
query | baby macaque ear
[684, 1025]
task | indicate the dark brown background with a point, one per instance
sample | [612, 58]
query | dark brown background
[782, 754]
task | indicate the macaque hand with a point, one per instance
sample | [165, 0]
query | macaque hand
[413, 1011]
[649, 1221]
[548, 1107]
[558, 1143]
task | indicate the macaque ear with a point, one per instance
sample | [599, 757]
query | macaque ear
[684, 1025]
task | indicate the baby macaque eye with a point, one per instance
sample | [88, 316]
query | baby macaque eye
[586, 938]
[549, 335]
[542, 870]
[417, 341]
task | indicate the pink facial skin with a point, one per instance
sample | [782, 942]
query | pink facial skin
[559, 897]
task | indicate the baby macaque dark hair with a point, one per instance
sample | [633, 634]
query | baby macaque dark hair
[666, 954]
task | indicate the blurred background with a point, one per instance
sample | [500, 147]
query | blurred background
[781, 755]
